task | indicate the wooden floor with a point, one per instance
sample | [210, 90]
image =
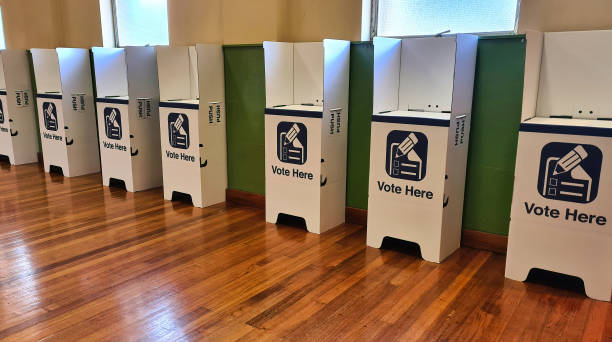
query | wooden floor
[82, 262]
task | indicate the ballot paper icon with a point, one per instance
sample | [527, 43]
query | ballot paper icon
[112, 123]
[406, 155]
[291, 142]
[570, 172]
[1, 113]
[178, 130]
[50, 116]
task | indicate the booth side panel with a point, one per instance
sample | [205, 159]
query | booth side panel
[78, 109]
[308, 73]
[465, 68]
[145, 143]
[20, 104]
[454, 183]
[387, 60]
[278, 59]
[213, 149]
[334, 132]
[531, 79]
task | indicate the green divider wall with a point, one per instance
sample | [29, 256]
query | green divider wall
[495, 119]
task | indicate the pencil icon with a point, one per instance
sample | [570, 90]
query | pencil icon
[407, 145]
[178, 125]
[111, 117]
[570, 160]
[293, 132]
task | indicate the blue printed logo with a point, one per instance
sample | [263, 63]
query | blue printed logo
[570, 172]
[178, 130]
[406, 155]
[292, 143]
[112, 123]
[1, 113]
[50, 116]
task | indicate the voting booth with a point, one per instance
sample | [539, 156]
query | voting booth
[419, 143]
[306, 122]
[17, 116]
[66, 113]
[128, 116]
[192, 122]
[562, 201]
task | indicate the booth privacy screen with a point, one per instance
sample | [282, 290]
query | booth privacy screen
[425, 17]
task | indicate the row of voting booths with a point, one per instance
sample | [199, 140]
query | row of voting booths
[562, 201]
[161, 120]
[151, 127]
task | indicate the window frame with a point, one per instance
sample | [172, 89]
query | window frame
[374, 24]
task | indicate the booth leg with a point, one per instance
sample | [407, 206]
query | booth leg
[516, 271]
[598, 289]
[197, 201]
[105, 180]
[129, 186]
[374, 239]
[167, 194]
[313, 226]
[46, 166]
[430, 252]
[271, 215]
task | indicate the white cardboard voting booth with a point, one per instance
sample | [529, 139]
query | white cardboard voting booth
[562, 201]
[128, 116]
[306, 122]
[420, 130]
[192, 122]
[66, 113]
[17, 117]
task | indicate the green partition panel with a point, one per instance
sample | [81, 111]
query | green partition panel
[496, 115]
[360, 112]
[245, 99]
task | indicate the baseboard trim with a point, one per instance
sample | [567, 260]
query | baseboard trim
[487, 241]
[469, 238]
[356, 216]
[245, 198]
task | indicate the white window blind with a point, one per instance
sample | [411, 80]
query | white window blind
[141, 22]
[425, 17]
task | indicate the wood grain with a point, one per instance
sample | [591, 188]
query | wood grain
[82, 262]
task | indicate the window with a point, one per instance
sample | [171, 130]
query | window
[426, 17]
[140, 22]
[2, 42]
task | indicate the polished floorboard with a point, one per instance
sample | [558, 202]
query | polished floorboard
[79, 261]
